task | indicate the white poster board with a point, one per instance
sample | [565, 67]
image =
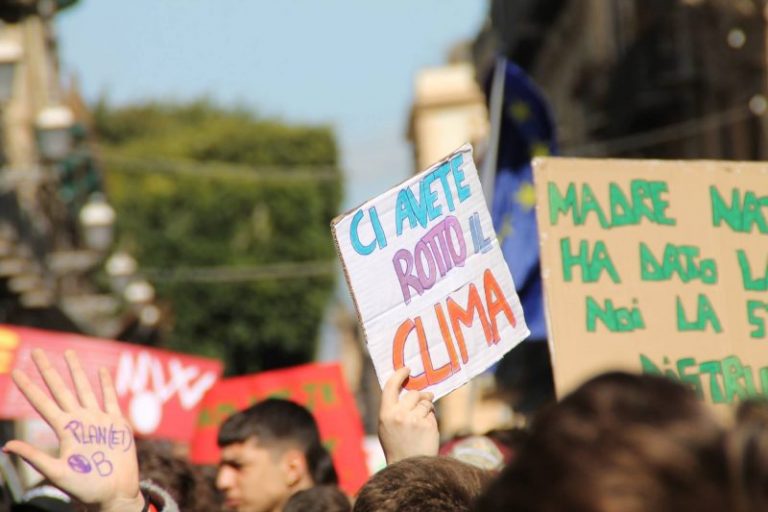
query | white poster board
[428, 278]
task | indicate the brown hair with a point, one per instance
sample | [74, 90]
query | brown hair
[620, 442]
[426, 484]
[191, 486]
[320, 498]
[747, 446]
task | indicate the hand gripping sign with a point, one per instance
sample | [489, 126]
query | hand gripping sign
[428, 278]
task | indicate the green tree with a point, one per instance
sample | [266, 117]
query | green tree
[200, 186]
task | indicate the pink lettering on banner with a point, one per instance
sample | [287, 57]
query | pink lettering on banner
[151, 384]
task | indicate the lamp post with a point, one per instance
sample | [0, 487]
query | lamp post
[120, 267]
[150, 315]
[97, 221]
[54, 126]
[10, 54]
[139, 292]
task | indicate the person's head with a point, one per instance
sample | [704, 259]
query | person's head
[268, 452]
[620, 442]
[747, 445]
[320, 498]
[188, 485]
[426, 484]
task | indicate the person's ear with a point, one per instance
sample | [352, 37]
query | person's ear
[294, 467]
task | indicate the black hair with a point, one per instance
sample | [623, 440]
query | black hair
[276, 421]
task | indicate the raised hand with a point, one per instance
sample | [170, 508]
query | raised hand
[97, 455]
[407, 425]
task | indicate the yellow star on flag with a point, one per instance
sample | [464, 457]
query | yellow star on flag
[506, 229]
[526, 196]
[520, 111]
[540, 149]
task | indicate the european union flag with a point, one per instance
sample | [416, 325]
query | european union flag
[526, 130]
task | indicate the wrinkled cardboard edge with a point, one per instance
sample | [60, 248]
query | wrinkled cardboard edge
[337, 247]
[539, 165]
[466, 147]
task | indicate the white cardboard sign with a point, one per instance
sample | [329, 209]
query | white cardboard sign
[426, 272]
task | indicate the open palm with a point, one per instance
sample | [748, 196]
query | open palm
[97, 456]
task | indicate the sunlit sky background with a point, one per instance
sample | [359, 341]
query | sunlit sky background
[349, 63]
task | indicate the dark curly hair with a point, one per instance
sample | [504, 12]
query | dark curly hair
[193, 487]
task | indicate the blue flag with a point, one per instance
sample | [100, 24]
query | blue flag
[526, 130]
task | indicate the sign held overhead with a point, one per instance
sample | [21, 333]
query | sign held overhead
[659, 267]
[429, 282]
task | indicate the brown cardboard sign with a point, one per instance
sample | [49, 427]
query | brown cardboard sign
[659, 267]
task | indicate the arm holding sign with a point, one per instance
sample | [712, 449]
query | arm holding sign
[407, 424]
[97, 461]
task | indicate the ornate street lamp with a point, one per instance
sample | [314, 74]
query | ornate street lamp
[10, 54]
[54, 132]
[120, 267]
[139, 292]
[150, 315]
[97, 221]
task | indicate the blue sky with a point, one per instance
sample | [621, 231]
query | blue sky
[348, 63]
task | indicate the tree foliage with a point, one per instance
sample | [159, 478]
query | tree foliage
[200, 186]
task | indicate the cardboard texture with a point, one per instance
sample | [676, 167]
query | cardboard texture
[659, 267]
[319, 387]
[428, 279]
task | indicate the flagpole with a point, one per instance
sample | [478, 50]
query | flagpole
[488, 176]
[495, 107]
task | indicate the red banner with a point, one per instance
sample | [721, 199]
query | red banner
[319, 387]
[159, 391]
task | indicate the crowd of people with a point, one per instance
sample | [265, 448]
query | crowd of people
[618, 443]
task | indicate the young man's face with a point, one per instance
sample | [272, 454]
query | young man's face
[253, 478]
